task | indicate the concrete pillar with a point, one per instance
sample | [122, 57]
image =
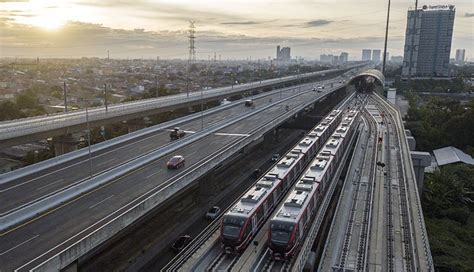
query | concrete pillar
[411, 143]
[64, 144]
[136, 124]
[420, 161]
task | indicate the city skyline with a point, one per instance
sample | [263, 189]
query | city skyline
[234, 29]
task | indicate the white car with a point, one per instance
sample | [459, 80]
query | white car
[213, 213]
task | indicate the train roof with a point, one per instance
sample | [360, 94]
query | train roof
[253, 198]
[309, 182]
[306, 186]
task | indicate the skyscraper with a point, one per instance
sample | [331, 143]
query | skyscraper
[460, 55]
[376, 55]
[430, 40]
[344, 57]
[366, 54]
[283, 54]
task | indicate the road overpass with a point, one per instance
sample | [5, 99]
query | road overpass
[70, 229]
[62, 124]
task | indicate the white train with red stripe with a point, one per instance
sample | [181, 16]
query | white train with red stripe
[241, 222]
[289, 224]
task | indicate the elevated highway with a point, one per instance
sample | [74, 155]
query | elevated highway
[36, 128]
[50, 177]
[60, 236]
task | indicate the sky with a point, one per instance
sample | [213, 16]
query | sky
[234, 29]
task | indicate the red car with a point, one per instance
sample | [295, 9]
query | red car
[175, 162]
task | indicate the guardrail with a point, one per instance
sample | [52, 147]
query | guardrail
[27, 212]
[121, 218]
[31, 169]
[38, 124]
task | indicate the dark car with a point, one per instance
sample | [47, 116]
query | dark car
[248, 102]
[175, 162]
[177, 133]
[181, 243]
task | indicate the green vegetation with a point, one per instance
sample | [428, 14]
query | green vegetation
[25, 105]
[441, 122]
[448, 193]
[455, 85]
[448, 209]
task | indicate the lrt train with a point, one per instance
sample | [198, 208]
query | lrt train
[241, 222]
[290, 223]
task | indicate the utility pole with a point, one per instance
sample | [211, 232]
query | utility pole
[65, 96]
[386, 37]
[108, 55]
[192, 53]
[105, 98]
[156, 86]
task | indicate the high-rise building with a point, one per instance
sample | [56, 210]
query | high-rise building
[460, 55]
[366, 54]
[376, 55]
[326, 58]
[344, 58]
[283, 54]
[428, 41]
[397, 59]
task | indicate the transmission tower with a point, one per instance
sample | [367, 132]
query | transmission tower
[192, 48]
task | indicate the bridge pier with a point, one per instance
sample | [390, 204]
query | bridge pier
[420, 161]
[136, 124]
[64, 144]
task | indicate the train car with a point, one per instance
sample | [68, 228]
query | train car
[287, 227]
[241, 222]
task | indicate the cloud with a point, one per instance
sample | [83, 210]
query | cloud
[467, 14]
[241, 23]
[316, 23]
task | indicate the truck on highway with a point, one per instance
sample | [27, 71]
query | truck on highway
[177, 133]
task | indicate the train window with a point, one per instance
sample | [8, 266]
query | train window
[281, 232]
[270, 199]
[231, 231]
[260, 214]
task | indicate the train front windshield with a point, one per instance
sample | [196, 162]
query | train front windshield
[281, 232]
[232, 226]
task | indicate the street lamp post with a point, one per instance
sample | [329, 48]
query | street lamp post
[105, 98]
[88, 139]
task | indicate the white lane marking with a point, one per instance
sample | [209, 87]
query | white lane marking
[232, 134]
[105, 162]
[149, 176]
[18, 245]
[100, 202]
[186, 131]
[49, 184]
[158, 133]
